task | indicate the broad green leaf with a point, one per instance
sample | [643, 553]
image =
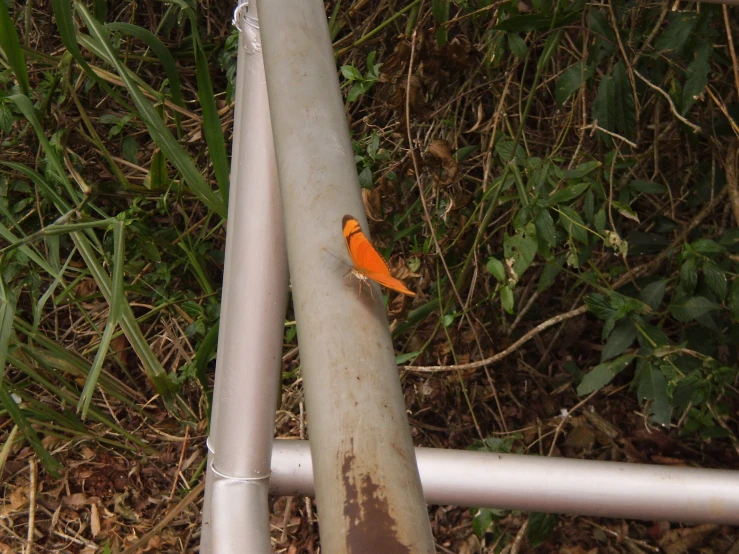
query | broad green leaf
[604, 107]
[550, 272]
[652, 385]
[715, 279]
[481, 521]
[506, 298]
[624, 101]
[11, 47]
[545, 228]
[678, 31]
[465, 152]
[495, 267]
[521, 249]
[696, 76]
[571, 221]
[581, 170]
[541, 526]
[733, 300]
[647, 187]
[622, 337]
[365, 178]
[604, 373]
[686, 309]
[600, 306]
[504, 149]
[517, 45]
[654, 293]
[571, 80]
[688, 276]
[707, 247]
[568, 193]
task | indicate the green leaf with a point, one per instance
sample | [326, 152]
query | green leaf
[521, 248]
[604, 373]
[604, 107]
[686, 309]
[11, 47]
[688, 276]
[517, 45]
[573, 224]
[401, 359]
[715, 279]
[481, 521]
[570, 82]
[581, 170]
[540, 527]
[506, 298]
[160, 51]
[365, 178]
[465, 152]
[678, 31]
[647, 187]
[696, 76]
[600, 306]
[654, 293]
[537, 21]
[550, 272]
[545, 228]
[624, 100]
[351, 73]
[652, 385]
[622, 337]
[567, 193]
[440, 10]
[154, 123]
[707, 247]
[504, 149]
[16, 414]
[733, 301]
[8, 301]
[495, 267]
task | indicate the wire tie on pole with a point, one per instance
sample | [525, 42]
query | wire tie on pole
[239, 479]
[241, 15]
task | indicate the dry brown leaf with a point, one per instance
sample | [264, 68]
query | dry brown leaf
[94, 520]
[680, 541]
[76, 500]
[442, 151]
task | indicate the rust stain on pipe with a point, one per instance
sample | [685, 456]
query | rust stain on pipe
[370, 527]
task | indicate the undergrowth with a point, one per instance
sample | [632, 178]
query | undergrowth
[578, 162]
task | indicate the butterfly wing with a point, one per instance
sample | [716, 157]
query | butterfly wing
[390, 282]
[367, 260]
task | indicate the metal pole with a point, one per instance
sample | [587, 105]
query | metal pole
[540, 484]
[367, 486]
[236, 512]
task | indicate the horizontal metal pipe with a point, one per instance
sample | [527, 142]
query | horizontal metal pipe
[540, 484]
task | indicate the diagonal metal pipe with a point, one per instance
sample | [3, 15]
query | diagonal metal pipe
[367, 486]
[235, 511]
[540, 484]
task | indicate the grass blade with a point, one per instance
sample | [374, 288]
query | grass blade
[12, 47]
[156, 127]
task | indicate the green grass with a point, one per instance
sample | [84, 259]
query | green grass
[567, 211]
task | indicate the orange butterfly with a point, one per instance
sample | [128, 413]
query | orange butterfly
[368, 263]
